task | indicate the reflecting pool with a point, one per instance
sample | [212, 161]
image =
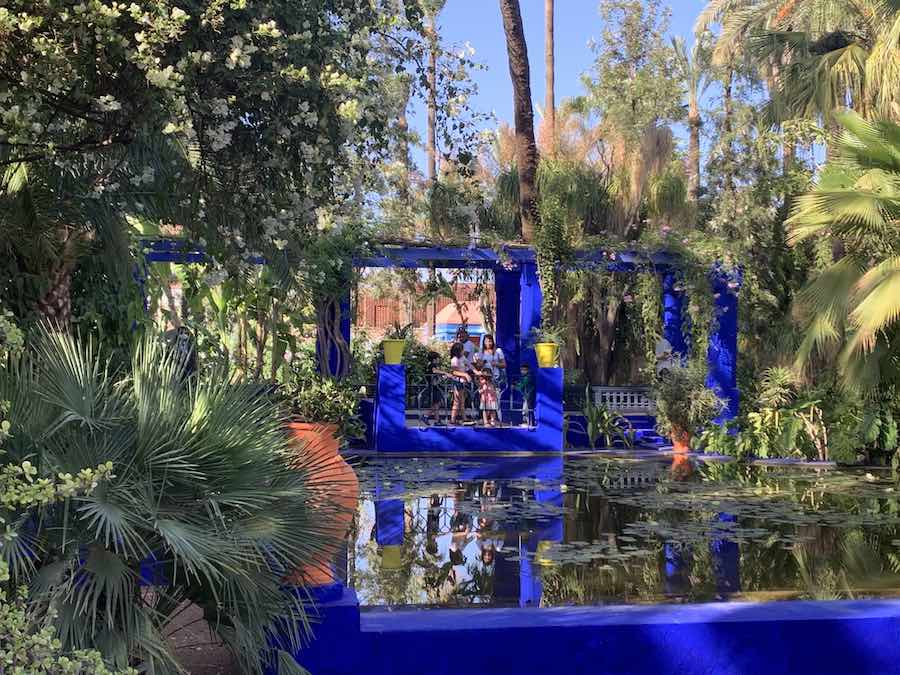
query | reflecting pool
[603, 528]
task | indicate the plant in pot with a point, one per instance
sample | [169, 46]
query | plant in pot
[394, 342]
[324, 413]
[684, 403]
[324, 410]
[547, 341]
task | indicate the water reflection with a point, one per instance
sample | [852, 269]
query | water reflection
[595, 529]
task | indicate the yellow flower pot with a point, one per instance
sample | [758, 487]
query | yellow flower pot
[547, 354]
[393, 351]
[391, 559]
[541, 557]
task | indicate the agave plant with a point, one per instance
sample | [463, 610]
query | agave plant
[204, 485]
[855, 302]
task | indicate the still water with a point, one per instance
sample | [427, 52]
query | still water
[598, 528]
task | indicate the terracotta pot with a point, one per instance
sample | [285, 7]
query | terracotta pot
[335, 490]
[682, 468]
[681, 440]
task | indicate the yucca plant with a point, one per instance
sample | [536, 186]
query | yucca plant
[204, 482]
[854, 303]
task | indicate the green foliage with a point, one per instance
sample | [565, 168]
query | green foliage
[548, 333]
[683, 401]
[316, 399]
[400, 332]
[634, 80]
[204, 480]
[853, 305]
[603, 423]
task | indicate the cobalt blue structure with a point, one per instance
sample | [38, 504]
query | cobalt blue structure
[393, 435]
[519, 298]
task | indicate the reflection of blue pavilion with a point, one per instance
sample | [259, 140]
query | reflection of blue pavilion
[515, 572]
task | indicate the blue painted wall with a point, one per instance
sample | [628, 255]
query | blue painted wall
[722, 352]
[778, 638]
[392, 434]
[673, 313]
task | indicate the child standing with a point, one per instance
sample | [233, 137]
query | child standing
[433, 394]
[525, 386]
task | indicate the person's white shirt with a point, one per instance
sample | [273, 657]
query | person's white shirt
[460, 364]
[469, 353]
[491, 360]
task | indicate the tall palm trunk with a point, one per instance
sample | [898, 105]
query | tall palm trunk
[695, 122]
[526, 149]
[431, 150]
[403, 192]
[728, 127]
[550, 66]
[430, 138]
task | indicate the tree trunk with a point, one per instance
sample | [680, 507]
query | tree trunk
[728, 128]
[526, 150]
[55, 306]
[695, 122]
[430, 138]
[403, 192]
[550, 66]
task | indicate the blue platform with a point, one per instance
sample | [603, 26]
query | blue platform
[393, 435]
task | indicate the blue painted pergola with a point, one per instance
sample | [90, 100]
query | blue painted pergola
[518, 294]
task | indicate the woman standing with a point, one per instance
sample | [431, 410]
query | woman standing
[491, 364]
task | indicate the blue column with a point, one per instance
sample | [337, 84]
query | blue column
[507, 287]
[726, 559]
[390, 406]
[677, 568]
[548, 409]
[673, 313]
[530, 300]
[722, 352]
[389, 522]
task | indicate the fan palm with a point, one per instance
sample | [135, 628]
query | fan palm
[204, 482]
[855, 302]
[819, 55]
[53, 214]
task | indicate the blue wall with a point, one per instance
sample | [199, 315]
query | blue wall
[722, 353]
[778, 638]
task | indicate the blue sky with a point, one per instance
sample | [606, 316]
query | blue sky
[577, 21]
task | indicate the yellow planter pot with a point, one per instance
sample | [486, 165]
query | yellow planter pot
[391, 559]
[547, 354]
[393, 351]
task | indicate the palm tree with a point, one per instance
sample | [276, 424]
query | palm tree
[204, 481]
[526, 148]
[694, 66]
[550, 66]
[825, 55]
[854, 303]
